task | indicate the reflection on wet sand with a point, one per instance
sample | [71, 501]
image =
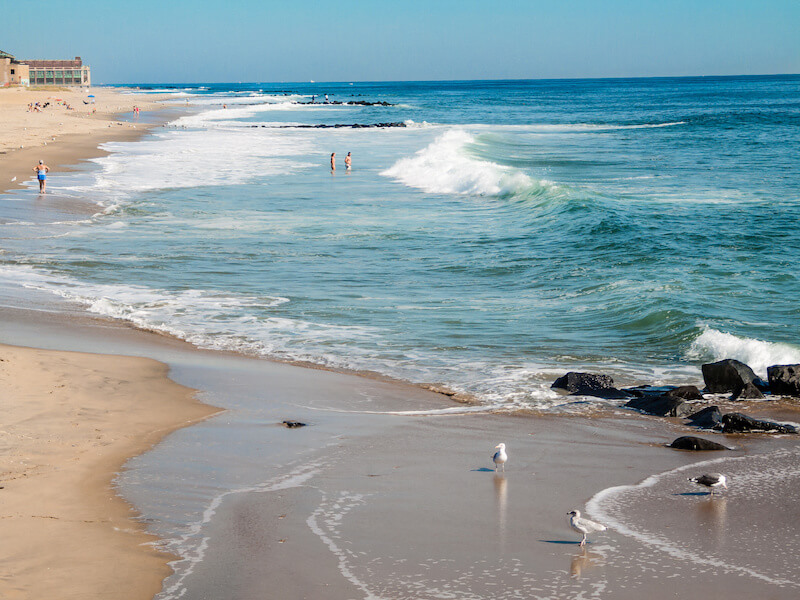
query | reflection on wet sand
[712, 515]
[501, 497]
[584, 561]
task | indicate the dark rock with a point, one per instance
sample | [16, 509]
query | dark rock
[784, 380]
[293, 424]
[336, 126]
[662, 406]
[728, 376]
[740, 423]
[708, 418]
[648, 391]
[685, 392]
[690, 442]
[589, 384]
[748, 392]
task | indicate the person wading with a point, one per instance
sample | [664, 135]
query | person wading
[41, 174]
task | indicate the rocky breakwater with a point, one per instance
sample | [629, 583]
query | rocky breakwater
[700, 408]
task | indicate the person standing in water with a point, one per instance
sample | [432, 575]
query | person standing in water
[333, 161]
[41, 174]
[348, 161]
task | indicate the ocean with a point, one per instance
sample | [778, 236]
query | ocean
[508, 232]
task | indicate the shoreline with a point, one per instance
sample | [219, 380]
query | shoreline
[71, 422]
[63, 138]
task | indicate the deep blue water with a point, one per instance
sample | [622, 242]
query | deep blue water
[512, 231]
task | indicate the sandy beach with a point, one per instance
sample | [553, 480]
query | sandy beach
[70, 421]
[62, 136]
[388, 492]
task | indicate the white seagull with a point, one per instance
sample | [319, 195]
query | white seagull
[584, 526]
[500, 457]
[711, 481]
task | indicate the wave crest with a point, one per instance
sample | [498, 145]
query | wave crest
[717, 345]
[443, 167]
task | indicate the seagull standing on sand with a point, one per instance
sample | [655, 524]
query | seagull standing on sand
[711, 481]
[584, 526]
[500, 457]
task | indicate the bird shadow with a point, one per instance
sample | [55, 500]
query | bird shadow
[482, 470]
[693, 494]
[565, 542]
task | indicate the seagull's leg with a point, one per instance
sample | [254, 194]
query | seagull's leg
[583, 541]
[504, 467]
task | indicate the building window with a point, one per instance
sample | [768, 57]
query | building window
[12, 71]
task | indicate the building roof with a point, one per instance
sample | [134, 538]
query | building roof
[6, 55]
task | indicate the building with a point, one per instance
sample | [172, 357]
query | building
[12, 72]
[58, 72]
[43, 72]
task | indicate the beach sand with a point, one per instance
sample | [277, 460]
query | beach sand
[386, 494]
[70, 421]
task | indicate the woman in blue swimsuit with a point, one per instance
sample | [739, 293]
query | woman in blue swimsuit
[41, 174]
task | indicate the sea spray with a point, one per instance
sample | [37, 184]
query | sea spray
[712, 345]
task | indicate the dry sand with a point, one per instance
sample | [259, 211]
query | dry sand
[60, 136]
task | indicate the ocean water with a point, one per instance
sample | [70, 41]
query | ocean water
[509, 232]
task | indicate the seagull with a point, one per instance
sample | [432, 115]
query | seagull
[711, 481]
[584, 526]
[500, 457]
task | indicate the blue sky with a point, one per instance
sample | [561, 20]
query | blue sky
[360, 40]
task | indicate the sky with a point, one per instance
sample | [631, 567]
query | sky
[182, 41]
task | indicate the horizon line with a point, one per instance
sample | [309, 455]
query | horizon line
[354, 81]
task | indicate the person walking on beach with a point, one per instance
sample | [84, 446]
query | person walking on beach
[41, 174]
[348, 161]
[333, 161]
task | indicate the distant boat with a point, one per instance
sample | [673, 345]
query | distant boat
[312, 81]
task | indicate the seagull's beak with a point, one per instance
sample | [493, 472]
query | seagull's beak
[498, 445]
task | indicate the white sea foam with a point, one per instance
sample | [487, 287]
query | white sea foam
[749, 481]
[175, 159]
[191, 546]
[445, 167]
[758, 354]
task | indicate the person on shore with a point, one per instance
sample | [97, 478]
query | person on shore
[348, 161]
[41, 174]
[333, 161]
[326, 98]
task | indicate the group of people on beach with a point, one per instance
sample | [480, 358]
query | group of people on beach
[348, 161]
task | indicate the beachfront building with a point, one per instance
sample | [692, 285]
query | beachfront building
[43, 72]
[58, 72]
[12, 72]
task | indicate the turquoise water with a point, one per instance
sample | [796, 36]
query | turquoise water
[510, 232]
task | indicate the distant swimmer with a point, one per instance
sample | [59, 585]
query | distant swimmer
[326, 98]
[348, 161]
[41, 174]
[333, 161]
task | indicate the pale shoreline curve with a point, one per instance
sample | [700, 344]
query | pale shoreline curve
[70, 422]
